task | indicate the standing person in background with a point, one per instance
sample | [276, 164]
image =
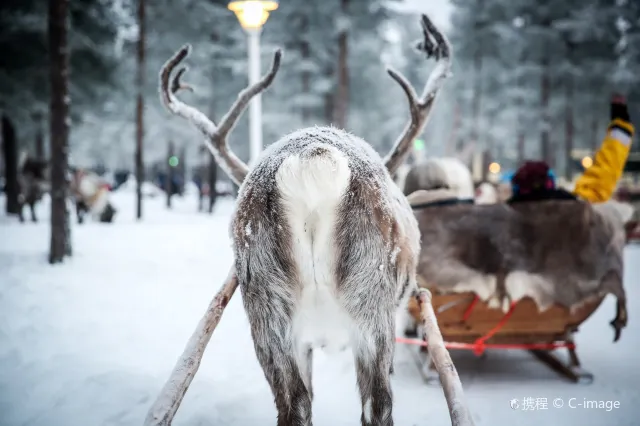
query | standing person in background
[200, 184]
[91, 194]
[599, 181]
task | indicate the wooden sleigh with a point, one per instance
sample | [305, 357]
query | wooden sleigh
[458, 236]
[467, 323]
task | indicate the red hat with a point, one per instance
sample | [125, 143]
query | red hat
[532, 176]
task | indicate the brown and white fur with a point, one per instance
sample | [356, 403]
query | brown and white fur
[91, 195]
[326, 245]
[556, 252]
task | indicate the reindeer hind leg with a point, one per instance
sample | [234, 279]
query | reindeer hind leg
[373, 342]
[269, 308]
[285, 376]
[20, 213]
[293, 400]
[32, 207]
[373, 368]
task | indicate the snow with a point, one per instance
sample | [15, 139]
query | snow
[148, 189]
[394, 255]
[92, 341]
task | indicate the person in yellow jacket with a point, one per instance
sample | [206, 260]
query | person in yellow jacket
[598, 182]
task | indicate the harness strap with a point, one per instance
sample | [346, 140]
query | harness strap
[446, 202]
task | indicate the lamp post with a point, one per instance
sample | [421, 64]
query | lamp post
[252, 15]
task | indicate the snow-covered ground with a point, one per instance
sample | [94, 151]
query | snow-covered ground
[91, 342]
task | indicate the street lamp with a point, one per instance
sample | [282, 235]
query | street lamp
[252, 15]
[587, 162]
[494, 168]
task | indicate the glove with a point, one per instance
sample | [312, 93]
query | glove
[619, 108]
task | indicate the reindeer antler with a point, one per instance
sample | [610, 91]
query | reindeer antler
[216, 135]
[177, 85]
[419, 108]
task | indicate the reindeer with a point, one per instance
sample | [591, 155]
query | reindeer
[325, 243]
[32, 184]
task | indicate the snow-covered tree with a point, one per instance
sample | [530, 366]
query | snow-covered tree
[537, 75]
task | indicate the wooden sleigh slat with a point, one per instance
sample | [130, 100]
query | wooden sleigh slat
[526, 322]
[468, 323]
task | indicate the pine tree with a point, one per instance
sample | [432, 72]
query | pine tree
[59, 130]
[140, 83]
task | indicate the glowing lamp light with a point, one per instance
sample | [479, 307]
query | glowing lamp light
[494, 168]
[587, 162]
[173, 161]
[252, 14]
[418, 144]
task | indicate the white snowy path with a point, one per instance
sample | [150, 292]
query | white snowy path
[91, 342]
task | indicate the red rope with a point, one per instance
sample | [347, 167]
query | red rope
[472, 346]
[467, 312]
[479, 346]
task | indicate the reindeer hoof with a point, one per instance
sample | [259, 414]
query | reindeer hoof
[617, 329]
[411, 332]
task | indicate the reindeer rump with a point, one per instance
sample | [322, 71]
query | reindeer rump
[317, 189]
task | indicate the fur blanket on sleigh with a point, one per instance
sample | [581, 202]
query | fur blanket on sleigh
[556, 252]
